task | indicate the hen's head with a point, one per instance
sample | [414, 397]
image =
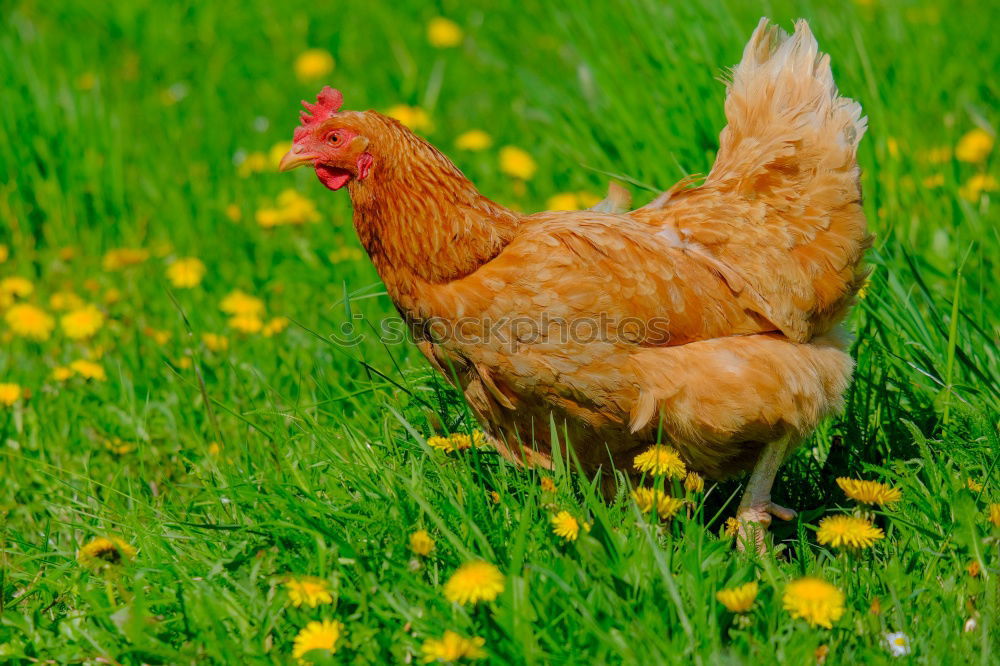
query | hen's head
[331, 140]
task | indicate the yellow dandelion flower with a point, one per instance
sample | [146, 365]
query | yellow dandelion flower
[732, 527]
[345, 253]
[421, 543]
[278, 151]
[274, 326]
[112, 296]
[847, 532]
[933, 181]
[440, 443]
[661, 460]
[82, 323]
[61, 373]
[494, 496]
[893, 146]
[16, 286]
[291, 208]
[159, 337]
[313, 64]
[105, 553]
[308, 591]
[517, 163]
[65, 300]
[88, 370]
[269, 218]
[215, 342]
[995, 514]
[246, 323]
[738, 599]
[460, 441]
[29, 321]
[869, 492]
[443, 33]
[817, 602]
[648, 499]
[317, 636]
[254, 162]
[973, 485]
[234, 213]
[644, 498]
[973, 568]
[975, 146]
[474, 140]
[938, 155]
[474, 582]
[117, 259]
[10, 393]
[412, 116]
[548, 485]
[694, 482]
[451, 647]
[119, 447]
[563, 201]
[588, 199]
[240, 303]
[566, 526]
[296, 208]
[975, 186]
[186, 273]
[300, 211]
[863, 290]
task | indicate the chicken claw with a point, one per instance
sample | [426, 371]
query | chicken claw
[754, 521]
[756, 507]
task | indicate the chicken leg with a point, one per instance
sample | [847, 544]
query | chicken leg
[756, 507]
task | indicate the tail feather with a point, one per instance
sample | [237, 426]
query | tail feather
[779, 215]
[782, 103]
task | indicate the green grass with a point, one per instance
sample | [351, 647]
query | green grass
[324, 469]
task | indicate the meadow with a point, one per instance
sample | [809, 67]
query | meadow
[196, 466]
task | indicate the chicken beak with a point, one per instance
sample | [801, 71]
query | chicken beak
[295, 157]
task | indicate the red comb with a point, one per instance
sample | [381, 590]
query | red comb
[328, 102]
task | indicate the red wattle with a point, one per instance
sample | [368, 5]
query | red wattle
[332, 178]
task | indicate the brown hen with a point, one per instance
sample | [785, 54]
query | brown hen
[707, 318]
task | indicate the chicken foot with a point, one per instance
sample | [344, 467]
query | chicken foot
[756, 508]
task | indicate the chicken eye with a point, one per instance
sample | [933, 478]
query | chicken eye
[334, 138]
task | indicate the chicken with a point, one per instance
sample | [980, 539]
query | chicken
[707, 319]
